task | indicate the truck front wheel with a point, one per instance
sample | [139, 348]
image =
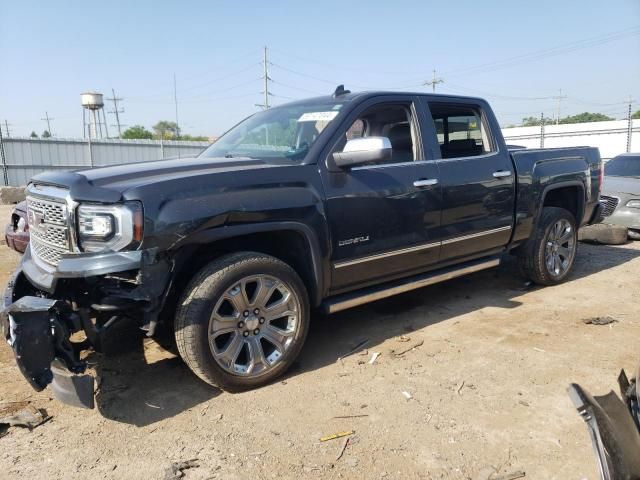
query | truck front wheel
[548, 257]
[242, 321]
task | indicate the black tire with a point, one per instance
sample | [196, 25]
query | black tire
[203, 293]
[532, 257]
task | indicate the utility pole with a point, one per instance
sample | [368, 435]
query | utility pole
[542, 130]
[629, 126]
[4, 161]
[175, 99]
[48, 120]
[117, 111]
[559, 97]
[434, 81]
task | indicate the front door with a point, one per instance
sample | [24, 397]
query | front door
[381, 221]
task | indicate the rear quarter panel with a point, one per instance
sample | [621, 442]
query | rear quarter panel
[542, 170]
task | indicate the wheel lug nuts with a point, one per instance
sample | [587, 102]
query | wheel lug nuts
[256, 311]
[245, 333]
[261, 320]
[256, 331]
[240, 324]
[246, 313]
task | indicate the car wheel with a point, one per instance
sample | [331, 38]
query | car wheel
[242, 321]
[549, 255]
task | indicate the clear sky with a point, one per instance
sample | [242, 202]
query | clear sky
[517, 54]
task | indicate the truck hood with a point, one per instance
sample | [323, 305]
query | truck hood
[628, 185]
[109, 184]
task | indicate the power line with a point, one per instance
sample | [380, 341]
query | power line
[117, 111]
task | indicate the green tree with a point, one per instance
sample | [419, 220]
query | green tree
[636, 114]
[535, 121]
[194, 138]
[166, 130]
[46, 134]
[33, 135]
[586, 117]
[137, 131]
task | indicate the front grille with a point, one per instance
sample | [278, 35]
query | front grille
[48, 228]
[609, 204]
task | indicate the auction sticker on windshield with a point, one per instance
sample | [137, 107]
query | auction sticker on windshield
[318, 116]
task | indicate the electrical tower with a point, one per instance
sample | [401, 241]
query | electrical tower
[117, 111]
[434, 81]
[266, 79]
[6, 128]
[559, 98]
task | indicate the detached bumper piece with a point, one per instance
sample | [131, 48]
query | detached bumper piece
[38, 331]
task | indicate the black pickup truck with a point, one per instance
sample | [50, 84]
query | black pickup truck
[324, 203]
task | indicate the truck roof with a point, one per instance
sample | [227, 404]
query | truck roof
[351, 96]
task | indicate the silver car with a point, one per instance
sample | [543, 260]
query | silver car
[621, 193]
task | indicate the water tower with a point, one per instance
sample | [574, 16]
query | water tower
[93, 102]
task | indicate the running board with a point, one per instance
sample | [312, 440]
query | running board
[349, 300]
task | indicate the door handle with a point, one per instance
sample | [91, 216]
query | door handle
[502, 173]
[425, 182]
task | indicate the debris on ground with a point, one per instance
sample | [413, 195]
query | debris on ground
[358, 346]
[176, 470]
[343, 448]
[407, 395]
[374, 357]
[353, 416]
[21, 414]
[403, 338]
[337, 435]
[509, 476]
[408, 349]
[599, 320]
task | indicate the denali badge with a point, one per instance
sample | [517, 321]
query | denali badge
[353, 241]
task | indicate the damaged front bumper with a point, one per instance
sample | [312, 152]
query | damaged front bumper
[44, 308]
[37, 330]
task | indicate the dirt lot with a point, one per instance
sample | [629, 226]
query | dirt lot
[487, 390]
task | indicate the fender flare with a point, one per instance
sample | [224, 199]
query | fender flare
[556, 186]
[229, 231]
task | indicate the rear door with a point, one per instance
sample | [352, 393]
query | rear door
[382, 225]
[477, 178]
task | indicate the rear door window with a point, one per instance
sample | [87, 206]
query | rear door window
[461, 131]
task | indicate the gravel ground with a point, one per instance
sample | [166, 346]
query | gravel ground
[482, 394]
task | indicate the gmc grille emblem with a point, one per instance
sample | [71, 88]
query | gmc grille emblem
[35, 218]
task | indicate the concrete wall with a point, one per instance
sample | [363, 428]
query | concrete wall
[609, 137]
[26, 157]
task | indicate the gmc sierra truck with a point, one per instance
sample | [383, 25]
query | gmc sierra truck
[326, 203]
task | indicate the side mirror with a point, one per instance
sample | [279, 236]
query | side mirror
[358, 151]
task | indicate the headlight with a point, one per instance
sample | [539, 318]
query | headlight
[109, 227]
[633, 203]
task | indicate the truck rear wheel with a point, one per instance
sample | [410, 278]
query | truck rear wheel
[549, 255]
[242, 321]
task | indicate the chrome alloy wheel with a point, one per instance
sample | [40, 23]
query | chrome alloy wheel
[560, 248]
[253, 324]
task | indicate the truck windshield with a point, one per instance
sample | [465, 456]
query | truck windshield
[280, 133]
[623, 166]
